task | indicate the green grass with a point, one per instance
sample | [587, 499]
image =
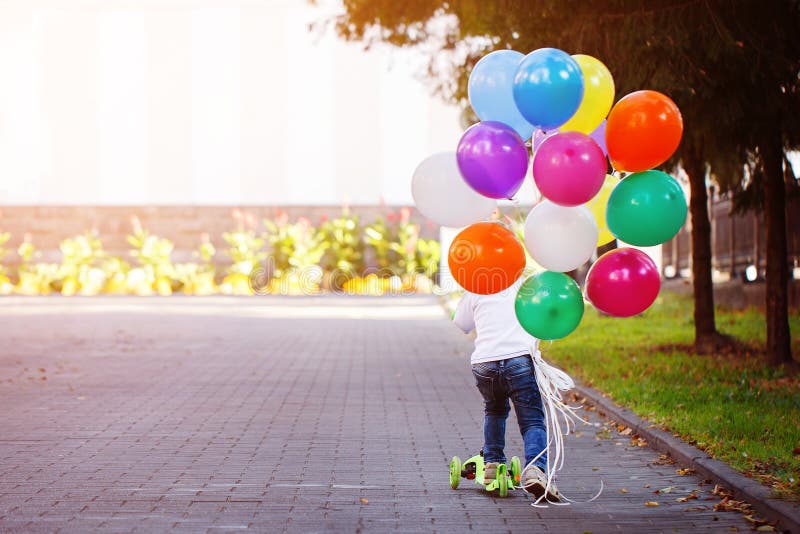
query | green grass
[730, 405]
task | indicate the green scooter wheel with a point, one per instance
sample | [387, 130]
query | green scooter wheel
[516, 471]
[502, 482]
[455, 472]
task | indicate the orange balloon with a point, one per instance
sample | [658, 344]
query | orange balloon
[642, 131]
[486, 258]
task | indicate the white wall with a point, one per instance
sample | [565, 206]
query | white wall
[116, 102]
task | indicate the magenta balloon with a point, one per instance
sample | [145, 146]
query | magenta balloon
[493, 159]
[569, 168]
[623, 282]
[599, 136]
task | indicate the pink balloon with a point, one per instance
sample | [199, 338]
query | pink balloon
[569, 168]
[623, 282]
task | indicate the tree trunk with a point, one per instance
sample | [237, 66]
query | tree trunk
[676, 255]
[706, 337]
[777, 272]
[732, 245]
[757, 245]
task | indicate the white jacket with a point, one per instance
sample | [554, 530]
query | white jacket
[499, 334]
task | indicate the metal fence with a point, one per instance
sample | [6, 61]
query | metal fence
[737, 242]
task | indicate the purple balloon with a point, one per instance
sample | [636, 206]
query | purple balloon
[493, 159]
[599, 136]
[569, 168]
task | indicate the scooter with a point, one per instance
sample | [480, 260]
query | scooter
[508, 477]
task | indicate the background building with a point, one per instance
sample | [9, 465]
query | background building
[205, 102]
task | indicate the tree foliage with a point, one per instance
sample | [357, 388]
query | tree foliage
[732, 66]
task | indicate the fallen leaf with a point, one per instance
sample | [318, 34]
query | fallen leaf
[684, 472]
[719, 490]
[692, 495]
[732, 505]
[364, 501]
[668, 489]
[758, 524]
[595, 469]
[663, 459]
[623, 490]
[647, 485]
[696, 509]
[627, 431]
[651, 503]
[602, 434]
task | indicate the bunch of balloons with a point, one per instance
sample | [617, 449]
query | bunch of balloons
[564, 107]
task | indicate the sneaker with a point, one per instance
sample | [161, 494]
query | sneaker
[490, 472]
[535, 482]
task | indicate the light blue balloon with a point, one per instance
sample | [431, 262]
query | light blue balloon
[548, 87]
[491, 94]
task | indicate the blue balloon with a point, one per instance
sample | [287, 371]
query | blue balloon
[491, 94]
[548, 88]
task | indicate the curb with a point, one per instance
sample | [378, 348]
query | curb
[786, 514]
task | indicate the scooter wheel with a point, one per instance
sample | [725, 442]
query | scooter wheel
[516, 471]
[455, 472]
[502, 484]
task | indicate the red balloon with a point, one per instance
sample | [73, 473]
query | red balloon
[486, 258]
[623, 282]
[642, 131]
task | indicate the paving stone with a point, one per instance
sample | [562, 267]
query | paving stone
[318, 414]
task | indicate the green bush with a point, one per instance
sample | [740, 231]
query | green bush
[338, 244]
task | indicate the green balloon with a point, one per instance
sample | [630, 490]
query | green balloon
[549, 305]
[646, 208]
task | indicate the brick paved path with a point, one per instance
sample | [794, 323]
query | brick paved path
[279, 415]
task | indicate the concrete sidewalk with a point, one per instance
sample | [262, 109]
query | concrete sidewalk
[281, 415]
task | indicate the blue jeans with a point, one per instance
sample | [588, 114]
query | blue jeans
[513, 379]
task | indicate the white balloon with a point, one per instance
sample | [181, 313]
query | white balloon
[442, 195]
[560, 238]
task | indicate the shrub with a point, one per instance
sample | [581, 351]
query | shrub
[6, 287]
[156, 271]
[344, 244]
[81, 266]
[34, 278]
[302, 255]
[198, 278]
[379, 236]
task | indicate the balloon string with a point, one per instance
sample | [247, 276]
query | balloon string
[515, 204]
[552, 382]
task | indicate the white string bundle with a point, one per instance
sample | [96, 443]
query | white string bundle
[552, 382]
